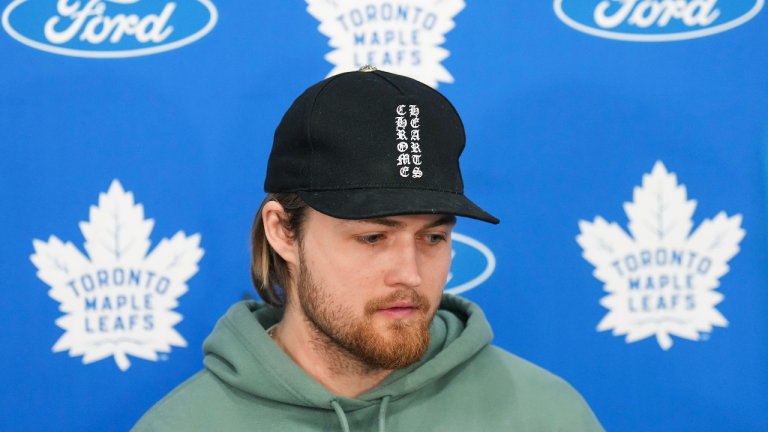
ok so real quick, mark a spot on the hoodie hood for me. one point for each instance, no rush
(461, 384)
(240, 352)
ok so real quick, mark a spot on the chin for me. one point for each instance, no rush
(397, 327)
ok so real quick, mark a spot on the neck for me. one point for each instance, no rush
(321, 358)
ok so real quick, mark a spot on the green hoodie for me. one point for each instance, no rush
(461, 384)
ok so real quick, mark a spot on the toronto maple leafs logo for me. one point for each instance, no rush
(121, 300)
(661, 281)
(402, 37)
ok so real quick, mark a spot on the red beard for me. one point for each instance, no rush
(403, 343)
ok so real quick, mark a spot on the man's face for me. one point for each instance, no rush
(373, 286)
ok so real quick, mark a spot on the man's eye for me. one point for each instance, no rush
(435, 238)
(370, 239)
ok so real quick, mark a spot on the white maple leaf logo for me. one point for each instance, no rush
(403, 38)
(661, 281)
(120, 301)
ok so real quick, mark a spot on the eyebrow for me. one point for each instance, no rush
(444, 220)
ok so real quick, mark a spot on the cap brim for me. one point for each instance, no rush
(381, 202)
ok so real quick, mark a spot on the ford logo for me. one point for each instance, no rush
(655, 20)
(472, 264)
(108, 28)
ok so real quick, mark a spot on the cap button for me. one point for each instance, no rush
(367, 68)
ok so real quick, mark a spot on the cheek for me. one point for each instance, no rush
(345, 275)
(435, 270)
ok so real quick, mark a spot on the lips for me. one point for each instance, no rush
(399, 309)
(402, 304)
(398, 305)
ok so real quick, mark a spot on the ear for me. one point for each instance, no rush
(276, 235)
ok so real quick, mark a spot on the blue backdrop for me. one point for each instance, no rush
(562, 124)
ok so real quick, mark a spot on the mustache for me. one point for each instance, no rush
(419, 302)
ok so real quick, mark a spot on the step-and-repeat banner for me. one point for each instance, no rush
(622, 143)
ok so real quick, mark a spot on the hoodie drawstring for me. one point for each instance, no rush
(383, 412)
(341, 415)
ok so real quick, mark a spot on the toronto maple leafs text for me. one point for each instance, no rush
(403, 36)
(110, 307)
(662, 278)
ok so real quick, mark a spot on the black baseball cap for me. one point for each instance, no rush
(370, 144)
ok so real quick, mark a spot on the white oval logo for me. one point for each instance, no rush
(655, 20)
(108, 28)
(472, 264)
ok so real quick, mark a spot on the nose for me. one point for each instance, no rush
(404, 268)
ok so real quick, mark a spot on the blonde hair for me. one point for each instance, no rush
(269, 271)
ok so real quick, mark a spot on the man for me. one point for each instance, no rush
(351, 252)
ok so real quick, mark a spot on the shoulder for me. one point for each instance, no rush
(510, 368)
(193, 401)
(497, 377)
